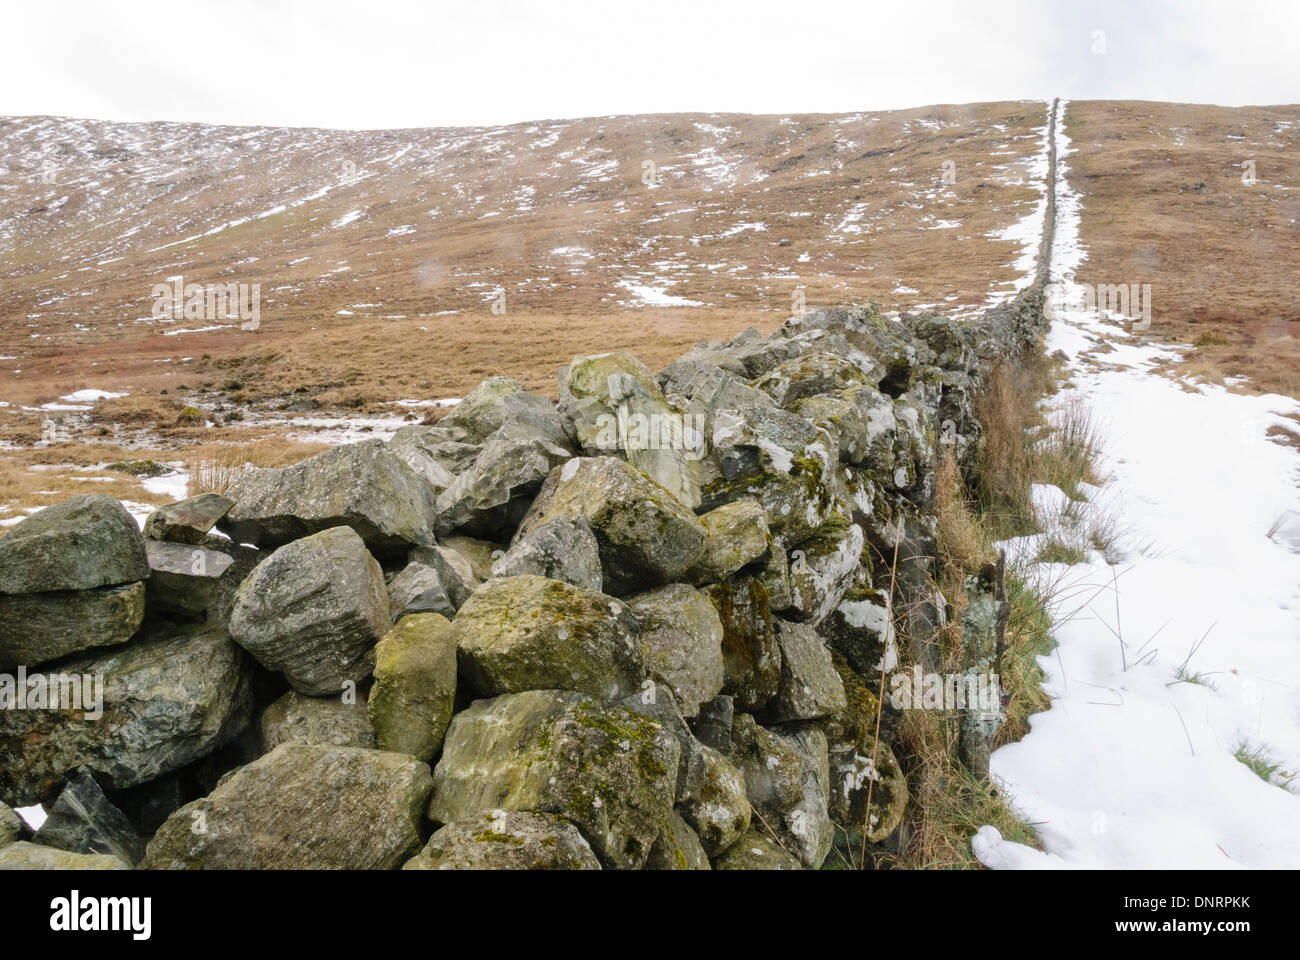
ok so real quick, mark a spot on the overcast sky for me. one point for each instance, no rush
(384, 63)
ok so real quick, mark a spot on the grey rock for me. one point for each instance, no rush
(183, 577)
(755, 851)
(31, 856)
(320, 721)
(737, 536)
(751, 658)
(681, 637)
(646, 537)
(187, 521)
(720, 813)
(313, 611)
(531, 633)
(12, 828)
(38, 627)
(822, 568)
(86, 542)
(83, 820)
(169, 698)
(560, 549)
(418, 588)
(606, 769)
(302, 807)
(415, 685)
(498, 401)
(810, 687)
(712, 725)
(361, 485)
(506, 840)
(678, 848)
(494, 492)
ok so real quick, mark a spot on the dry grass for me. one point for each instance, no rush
(1164, 203)
(219, 467)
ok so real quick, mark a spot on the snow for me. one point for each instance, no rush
(89, 396)
(1184, 652)
(657, 296)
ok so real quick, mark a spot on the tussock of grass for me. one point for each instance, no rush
(219, 467)
(1263, 766)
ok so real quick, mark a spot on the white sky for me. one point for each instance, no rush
(385, 63)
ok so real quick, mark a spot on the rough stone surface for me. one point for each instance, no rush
(83, 820)
(681, 637)
(810, 687)
(678, 848)
(531, 633)
(302, 807)
(608, 770)
(313, 611)
(38, 627)
(187, 521)
(360, 485)
(750, 655)
(721, 812)
(755, 851)
(86, 542)
(786, 780)
(506, 840)
(319, 721)
(737, 536)
(12, 828)
(184, 578)
(560, 549)
(170, 697)
(415, 685)
(418, 588)
(30, 856)
(646, 536)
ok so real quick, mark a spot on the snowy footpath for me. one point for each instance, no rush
(1181, 660)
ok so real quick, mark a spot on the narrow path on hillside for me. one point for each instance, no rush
(1175, 683)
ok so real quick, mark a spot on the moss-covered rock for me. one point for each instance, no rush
(30, 856)
(751, 658)
(720, 812)
(321, 721)
(506, 840)
(737, 536)
(678, 848)
(531, 633)
(608, 770)
(756, 851)
(415, 685)
(681, 637)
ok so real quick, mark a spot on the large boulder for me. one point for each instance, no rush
(615, 405)
(86, 542)
(822, 568)
(187, 521)
(810, 687)
(531, 633)
(506, 840)
(321, 721)
(751, 657)
(498, 401)
(12, 828)
(434, 452)
(646, 536)
(314, 611)
(561, 549)
(418, 588)
(83, 820)
(756, 851)
(609, 771)
(169, 698)
(720, 813)
(494, 492)
(31, 856)
(681, 637)
(737, 536)
(678, 848)
(415, 685)
(787, 779)
(184, 578)
(37, 627)
(302, 807)
(364, 486)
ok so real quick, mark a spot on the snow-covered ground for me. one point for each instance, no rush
(1186, 652)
